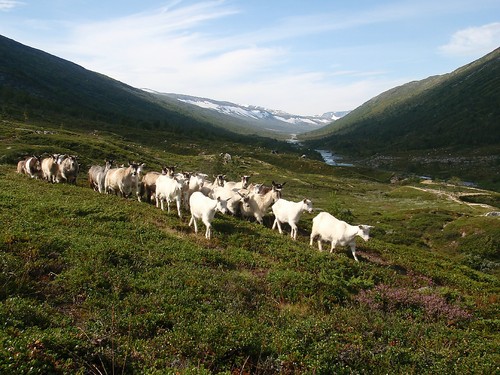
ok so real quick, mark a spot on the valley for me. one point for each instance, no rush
(100, 284)
(107, 284)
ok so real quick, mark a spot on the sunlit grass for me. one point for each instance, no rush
(95, 283)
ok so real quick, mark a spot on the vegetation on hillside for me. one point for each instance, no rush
(37, 85)
(98, 284)
(446, 125)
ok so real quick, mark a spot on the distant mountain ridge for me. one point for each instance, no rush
(445, 126)
(455, 110)
(258, 117)
(36, 83)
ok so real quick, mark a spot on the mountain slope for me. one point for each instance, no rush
(37, 84)
(459, 110)
(255, 118)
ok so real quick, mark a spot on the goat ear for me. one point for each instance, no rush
(283, 184)
(228, 199)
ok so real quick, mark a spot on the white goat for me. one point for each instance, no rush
(124, 180)
(168, 189)
(256, 205)
(204, 208)
(68, 169)
(226, 157)
(232, 197)
(50, 168)
(328, 228)
(97, 175)
(209, 186)
(289, 212)
(242, 184)
(195, 183)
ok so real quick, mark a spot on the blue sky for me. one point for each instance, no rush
(303, 57)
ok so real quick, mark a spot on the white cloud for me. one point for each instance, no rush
(304, 93)
(473, 41)
(165, 51)
(170, 50)
(6, 5)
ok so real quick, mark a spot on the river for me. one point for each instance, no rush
(332, 159)
(328, 157)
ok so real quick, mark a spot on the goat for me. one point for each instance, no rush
(289, 212)
(33, 167)
(226, 157)
(124, 180)
(148, 183)
(195, 183)
(167, 189)
(242, 184)
(328, 228)
(233, 197)
(204, 208)
(256, 205)
(21, 167)
(68, 169)
(208, 186)
(97, 175)
(50, 168)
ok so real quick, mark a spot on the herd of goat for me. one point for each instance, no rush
(200, 196)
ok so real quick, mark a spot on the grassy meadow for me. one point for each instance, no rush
(97, 284)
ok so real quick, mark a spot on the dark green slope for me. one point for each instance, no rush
(37, 85)
(455, 111)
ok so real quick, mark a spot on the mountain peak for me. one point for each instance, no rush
(270, 119)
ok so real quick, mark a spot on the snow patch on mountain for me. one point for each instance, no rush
(257, 117)
(259, 113)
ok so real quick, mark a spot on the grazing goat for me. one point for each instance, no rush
(289, 212)
(204, 208)
(124, 180)
(168, 189)
(33, 167)
(328, 228)
(97, 175)
(68, 169)
(256, 204)
(50, 168)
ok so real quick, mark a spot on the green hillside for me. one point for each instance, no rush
(456, 114)
(37, 85)
(99, 284)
